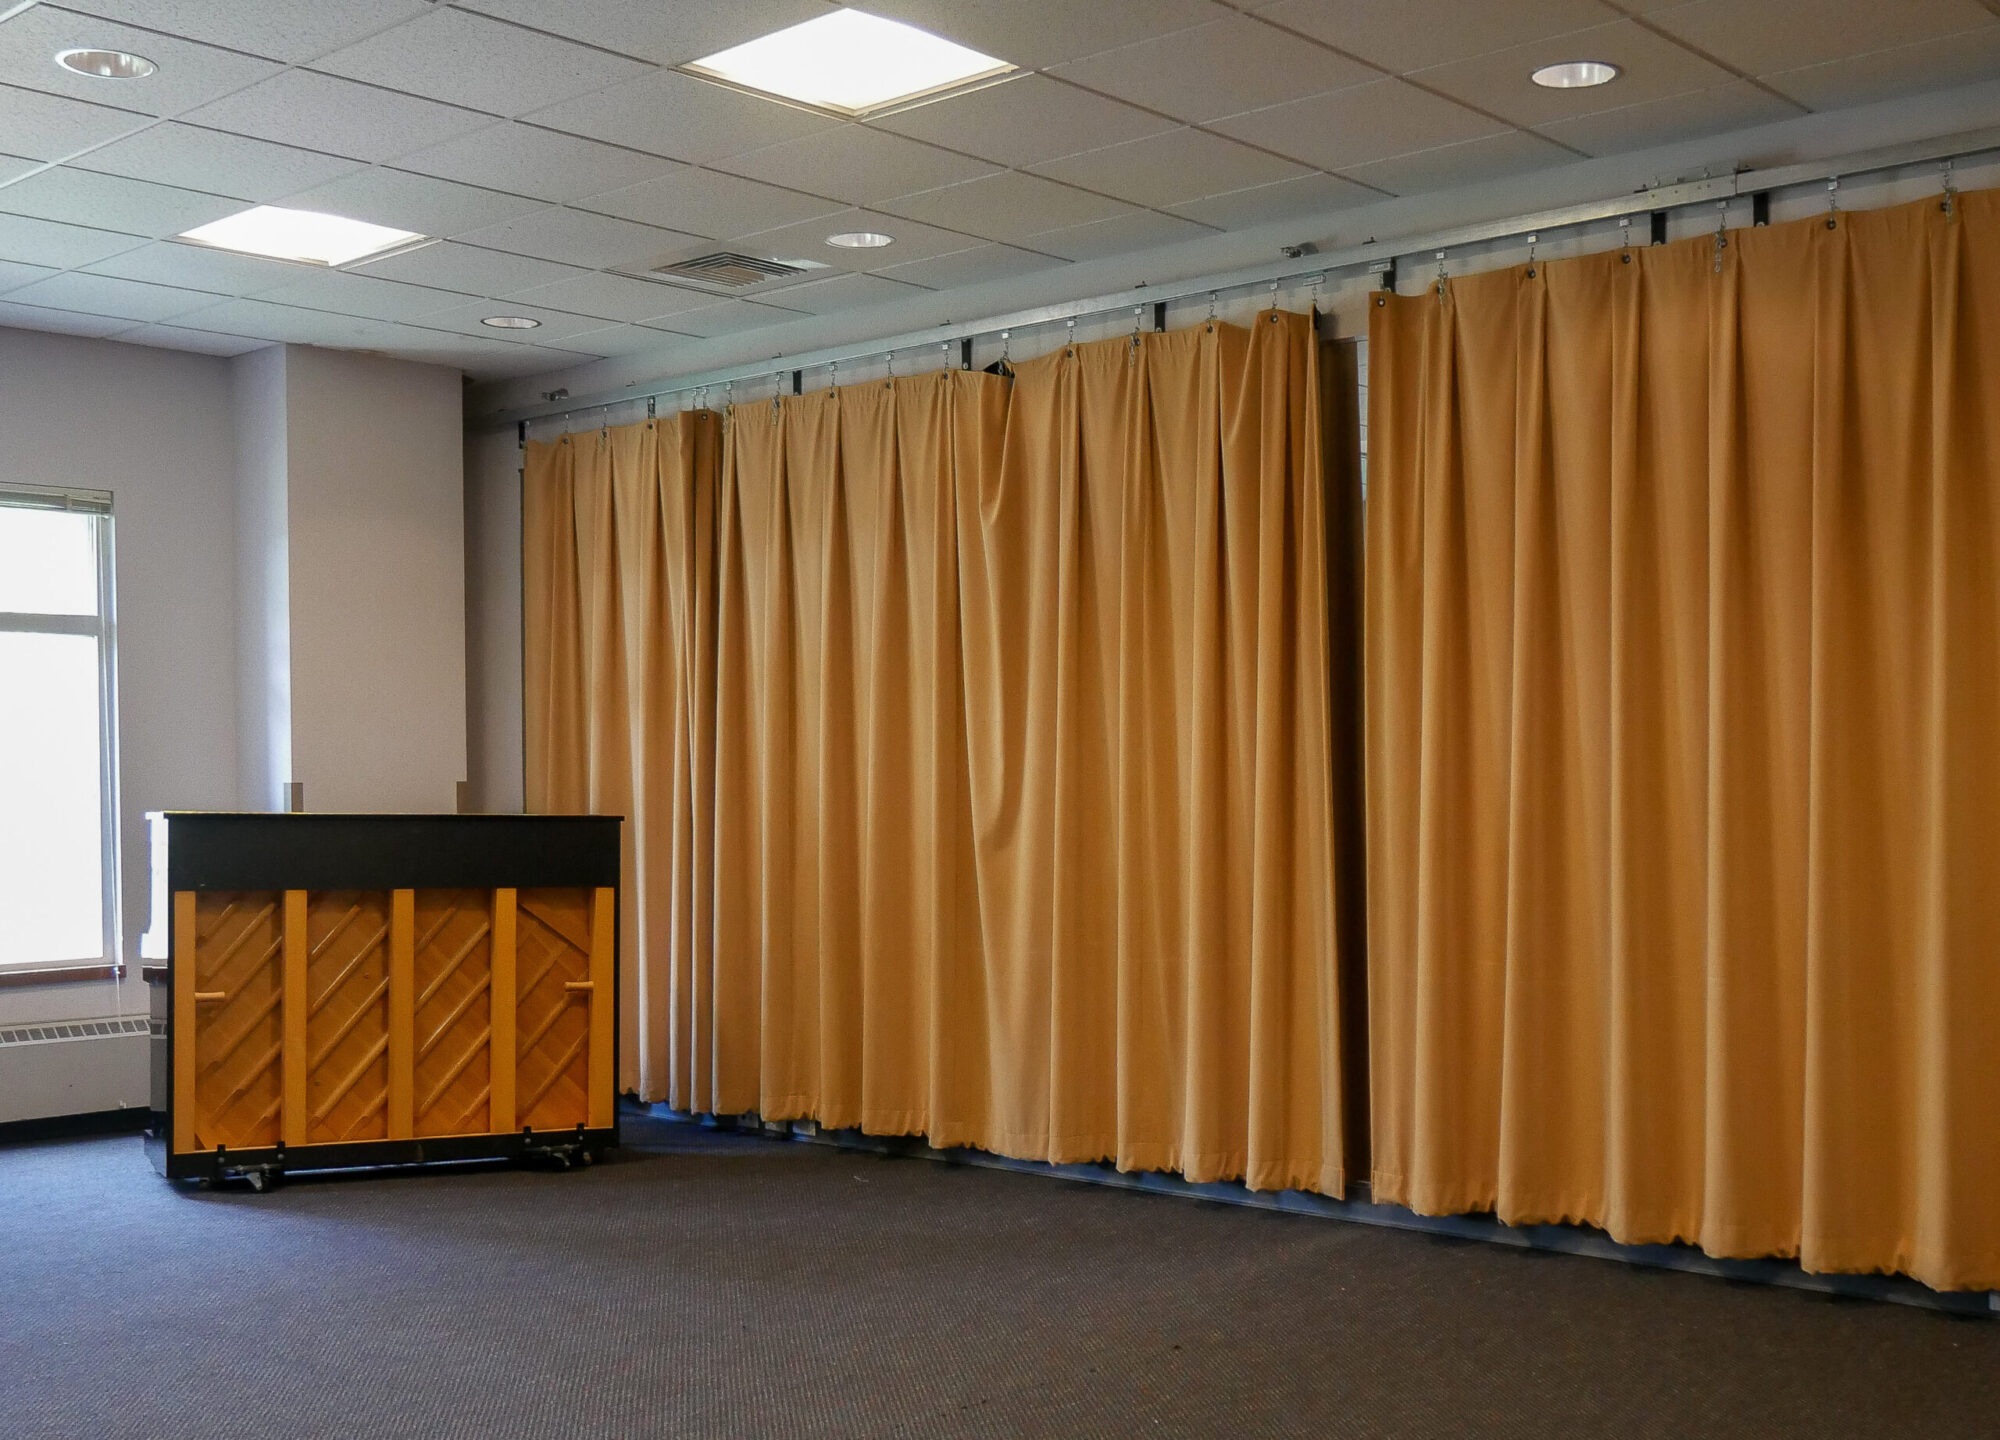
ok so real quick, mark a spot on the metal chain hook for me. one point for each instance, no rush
(1721, 232)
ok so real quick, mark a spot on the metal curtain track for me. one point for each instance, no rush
(1298, 270)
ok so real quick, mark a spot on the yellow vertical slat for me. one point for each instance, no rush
(500, 999)
(185, 1014)
(402, 1014)
(603, 1085)
(297, 1055)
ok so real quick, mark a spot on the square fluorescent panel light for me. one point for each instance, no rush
(849, 62)
(304, 236)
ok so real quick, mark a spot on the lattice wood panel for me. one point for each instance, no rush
(553, 1009)
(347, 1022)
(238, 993)
(453, 974)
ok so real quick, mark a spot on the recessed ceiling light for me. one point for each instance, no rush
(106, 64)
(849, 62)
(1575, 74)
(861, 240)
(510, 322)
(302, 235)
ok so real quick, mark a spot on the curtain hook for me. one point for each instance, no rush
(1441, 277)
(1625, 238)
(1532, 239)
(1211, 311)
(892, 370)
(944, 356)
(1721, 232)
(652, 407)
(1833, 203)
(729, 396)
(1950, 195)
(1318, 280)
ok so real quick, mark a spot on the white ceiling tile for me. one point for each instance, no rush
(112, 202)
(527, 160)
(971, 267)
(486, 64)
(180, 337)
(688, 118)
(469, 269)
(1888, 74)
(1734, 106)
(266, 320)
(341, 117)
(107, 295)
(215, 161)
(50, 127)
(622, 340)
(1038, 33)
(708, 202)
(1218, 69)
(731, 317)
(1492, 157)
(422, 203)
(260, 320)
(913, 240)
(190, 74)
(1024, 121)
(484, 361)
(1412, 34)
(1651, 67)
(59, 322)
(48, 242)
(350, 293)
(199, 267)
(1308, 195)
(555, 326)
(1140, 230)
(667, 34)
(1171, 169)
(14, 274)
(846, 292)
(1760, 37)
(579, 237)
(292, 30)
(1358, 125)
(611, 297)
(855, 164)
(1008, 206)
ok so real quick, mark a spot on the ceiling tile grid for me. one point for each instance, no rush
(544, 145)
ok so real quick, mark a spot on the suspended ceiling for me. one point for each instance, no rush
(549, 143)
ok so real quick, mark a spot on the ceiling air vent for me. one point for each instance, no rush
(728, 272)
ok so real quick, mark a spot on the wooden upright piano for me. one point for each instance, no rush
(370, 990)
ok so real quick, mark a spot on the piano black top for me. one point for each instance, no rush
(212, 850)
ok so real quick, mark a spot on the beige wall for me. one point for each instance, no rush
(291, 546)
(154, 428)
(376, 527)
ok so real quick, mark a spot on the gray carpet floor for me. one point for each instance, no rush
(705, 1284)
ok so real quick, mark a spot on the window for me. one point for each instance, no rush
(58, 773)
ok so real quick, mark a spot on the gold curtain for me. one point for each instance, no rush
(1683, 677)
(619, 675)
(1008, 790)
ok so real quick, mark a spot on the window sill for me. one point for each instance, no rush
(59, 975)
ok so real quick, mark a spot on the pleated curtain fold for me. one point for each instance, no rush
(978, 742)
(1682, 679)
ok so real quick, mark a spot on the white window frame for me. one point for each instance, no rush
(103, 626)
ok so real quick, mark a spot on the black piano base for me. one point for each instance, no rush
(560, 1148)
